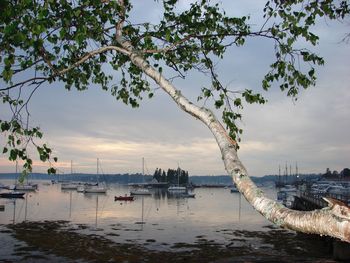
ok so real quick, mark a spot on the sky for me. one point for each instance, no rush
(312, 131)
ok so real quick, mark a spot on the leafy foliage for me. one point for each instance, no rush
(63, 41)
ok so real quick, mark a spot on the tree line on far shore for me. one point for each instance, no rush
(172, 176)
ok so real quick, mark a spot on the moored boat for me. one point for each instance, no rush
(177, 189)
(140, 191)
(12, 194)
(69, 186)
(26, 187)
(98, 189)
(124, 198)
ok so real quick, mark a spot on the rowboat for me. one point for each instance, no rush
(124, 198)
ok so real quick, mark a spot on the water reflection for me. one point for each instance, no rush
(162, 215)
(240, 207)
(14, 211)
(214, 223)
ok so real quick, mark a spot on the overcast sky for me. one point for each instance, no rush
(314, 131)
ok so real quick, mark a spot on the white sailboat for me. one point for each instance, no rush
(97, 189)
(69, 186)
(66, 186)
(24, 186)
(14, 193)
(177, 188)
(141, 191)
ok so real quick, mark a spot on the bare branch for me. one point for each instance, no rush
(44, 55)
(166, 49)
(33, 80)
(63, 71)
(90, 55)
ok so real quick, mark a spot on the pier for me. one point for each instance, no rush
(307, 201)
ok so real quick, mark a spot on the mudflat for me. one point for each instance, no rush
(62, 241)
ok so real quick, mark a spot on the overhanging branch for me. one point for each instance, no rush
(322, 222)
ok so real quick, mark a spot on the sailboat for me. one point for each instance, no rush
(141, 191)
(25, 186)
(178, 188)
(69, 186)
(13, 193)
(66, 185)
(124, 198)
(97, 189)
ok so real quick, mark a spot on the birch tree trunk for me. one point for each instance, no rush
(323, 222)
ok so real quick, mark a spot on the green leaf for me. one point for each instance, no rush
(219, 103)
(13, 154)
(51, 170)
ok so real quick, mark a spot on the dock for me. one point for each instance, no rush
(307, 201)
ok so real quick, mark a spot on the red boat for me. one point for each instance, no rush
(124, 198)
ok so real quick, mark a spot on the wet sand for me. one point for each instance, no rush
(61, 241)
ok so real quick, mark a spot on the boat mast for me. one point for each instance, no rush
(143, 170)
(279, 175)
(286, 174)
(178, 174)
(290, 171)
(97, 166)
(97, 170)
(16, 175)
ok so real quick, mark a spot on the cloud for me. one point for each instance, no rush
(125, 156)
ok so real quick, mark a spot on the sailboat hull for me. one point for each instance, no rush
(26, 187)
(177, 189)
(97, 190)
(69, 186)
(123, 198)
(12, 195)
(140, 192)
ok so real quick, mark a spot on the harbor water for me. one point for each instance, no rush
(51, 225)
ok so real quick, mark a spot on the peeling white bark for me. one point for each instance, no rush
(322, 222)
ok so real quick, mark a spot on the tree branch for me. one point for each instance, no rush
(322, 222)
(120, 24)
(24, 82)
(166, 49)
(63, 71)
(90, 55)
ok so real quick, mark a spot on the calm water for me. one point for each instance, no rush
(166, 218)
(214, 215)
